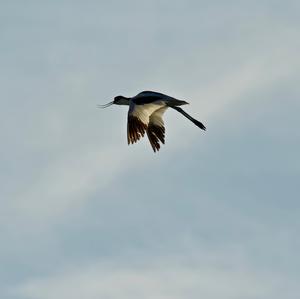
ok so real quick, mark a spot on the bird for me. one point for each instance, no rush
(145, 116)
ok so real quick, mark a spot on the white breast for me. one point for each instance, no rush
(143, 112)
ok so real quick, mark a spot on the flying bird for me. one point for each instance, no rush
(145, 115)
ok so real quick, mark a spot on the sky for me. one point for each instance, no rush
(214, 214)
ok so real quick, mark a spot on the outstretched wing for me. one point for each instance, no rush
(156, 129)
(138, 119)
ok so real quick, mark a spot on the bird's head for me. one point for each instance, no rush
(118, 100)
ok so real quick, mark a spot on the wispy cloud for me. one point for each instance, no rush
(75, 194)
(165, 277)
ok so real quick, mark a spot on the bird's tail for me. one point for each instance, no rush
(174, 102)
(195, 121)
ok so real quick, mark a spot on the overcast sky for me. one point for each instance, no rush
(213, 215)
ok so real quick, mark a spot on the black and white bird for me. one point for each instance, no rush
(145, 115)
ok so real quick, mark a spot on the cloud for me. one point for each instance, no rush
(165, 277)
(79, 170)
(74, 194)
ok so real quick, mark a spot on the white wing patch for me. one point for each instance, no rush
(156, 129)
(156, 117)
(138, 119)
(143, 112)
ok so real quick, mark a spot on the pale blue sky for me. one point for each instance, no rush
(212, 215)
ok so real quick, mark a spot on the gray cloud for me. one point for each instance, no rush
(79, 207)
(166, 278)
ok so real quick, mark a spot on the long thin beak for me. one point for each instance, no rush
(105, 105)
